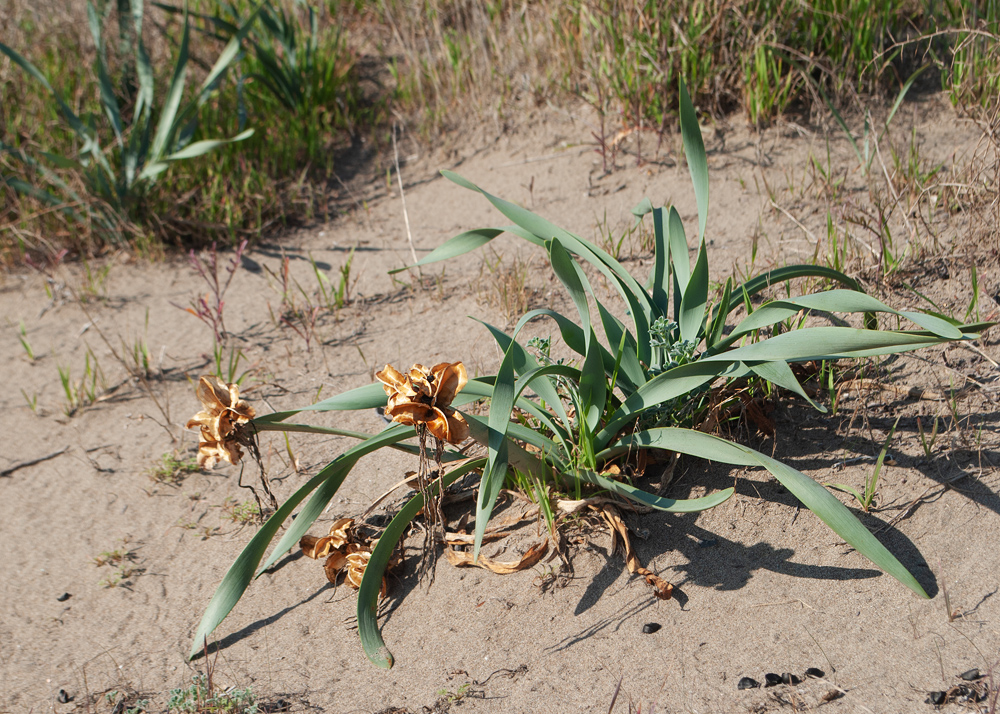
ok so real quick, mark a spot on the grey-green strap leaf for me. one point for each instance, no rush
(816, 498)
(371, 581)
(458, 245)
(694, 151)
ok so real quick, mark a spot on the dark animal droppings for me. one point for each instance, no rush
(815, 672)
(748, 683)
(771, 679)
(63, 697)
(936, 698)
(970, 675)
(651, 627)
(789, 678)
(64, 597)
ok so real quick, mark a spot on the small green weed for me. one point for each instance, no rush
(123, 560)
(241, 512)
(201, 698)
(32, 401)
(171, 469)
(463, 691)
(85, 391)
(23, 337)
(867, 499)
(927, 440)
(334, 298)
(227, 364)
(126, 703)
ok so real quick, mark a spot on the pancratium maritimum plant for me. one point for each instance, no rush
(646, 387)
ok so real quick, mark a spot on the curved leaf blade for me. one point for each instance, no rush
(454, 247)
(812, 495)
(694, 150)
(371, 582)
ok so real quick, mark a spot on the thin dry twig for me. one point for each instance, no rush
(402, 196)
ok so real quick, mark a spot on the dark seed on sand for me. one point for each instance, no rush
(789, 678)
(936, 698)
(815, 672)
(771, 679)
(63, 697)
(651, 627)
(970, 675)
(748, 683)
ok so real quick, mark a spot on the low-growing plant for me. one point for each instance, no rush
(84, 391)
(866, 498)
(651, 386)
(201, 697)
(172, 469)
(241, 512)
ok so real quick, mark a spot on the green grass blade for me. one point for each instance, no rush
(632, 374)
(791, 272)
(845, 301)
(143, 68)
(719, 316)
(371, 582)
(74, 121)
(242, 571)
(836, 515)
(525, 363)
(366, 397)
(694, 150)
(453, 247)
(639, 301)
(199, 148)
(226, 57)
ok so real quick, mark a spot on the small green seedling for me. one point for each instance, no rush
(201, 697)
(23, 337)
(126, 703)
(122, 559)
(171, 469)
(867, 499)
(242, 513)
(927, 442)
(32, 401)
(227, 366)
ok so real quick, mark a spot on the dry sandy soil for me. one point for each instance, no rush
(762, 585)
